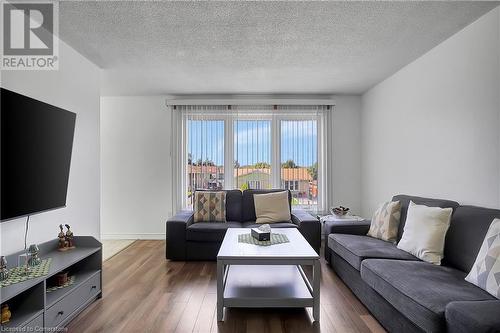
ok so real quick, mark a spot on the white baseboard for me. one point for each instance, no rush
(134, 236)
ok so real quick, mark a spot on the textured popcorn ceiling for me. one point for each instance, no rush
(256, 47)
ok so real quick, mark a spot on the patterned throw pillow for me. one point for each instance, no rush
(486, 270)
(209, 206)
(385, 222)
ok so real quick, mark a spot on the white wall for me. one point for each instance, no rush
(75, 87)
(347, 153)
(135, 167)
(432, 129)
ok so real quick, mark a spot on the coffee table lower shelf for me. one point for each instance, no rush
(261, 286)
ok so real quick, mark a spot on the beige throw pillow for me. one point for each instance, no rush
(485, 272)
(424, 232)
(385, 222)
(209, 206)
(272, 207)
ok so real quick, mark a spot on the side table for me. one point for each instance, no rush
(327, 219)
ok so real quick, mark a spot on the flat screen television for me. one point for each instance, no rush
(36, 145)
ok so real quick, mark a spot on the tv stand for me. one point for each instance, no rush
(34, 308)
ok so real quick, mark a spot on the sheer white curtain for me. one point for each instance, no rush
(246, 146)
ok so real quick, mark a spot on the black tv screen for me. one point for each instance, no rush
(36, 144)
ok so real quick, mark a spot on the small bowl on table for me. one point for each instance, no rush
(339, 211)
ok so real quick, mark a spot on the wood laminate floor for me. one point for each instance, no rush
(144, 292)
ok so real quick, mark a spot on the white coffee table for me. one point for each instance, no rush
(253, 276)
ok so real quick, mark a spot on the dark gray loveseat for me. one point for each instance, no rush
(201, 241)
(409, 295)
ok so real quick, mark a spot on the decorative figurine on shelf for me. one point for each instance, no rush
(34, 259)
(69, 238)
(4, 272)
(66, 240)
(62, 239)
(6, 314)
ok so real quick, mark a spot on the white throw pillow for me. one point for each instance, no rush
(272, 207)
(485, 272)
(424, 232)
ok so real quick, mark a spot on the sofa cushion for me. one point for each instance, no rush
(233, 205)
(420, 290)
(274, 225)
(355, 248)
(209, 231)
(405, 202)
(248, 205)
(468, 227)
(476, 316)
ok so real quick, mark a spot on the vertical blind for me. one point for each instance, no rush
(252, 152)
(299, 149)
(252, 147)
(205, 149)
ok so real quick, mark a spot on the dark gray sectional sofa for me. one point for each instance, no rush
(409, 295)
(201, 241)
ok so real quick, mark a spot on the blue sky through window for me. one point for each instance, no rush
(299, 141)
(206, 140)
(253, 141)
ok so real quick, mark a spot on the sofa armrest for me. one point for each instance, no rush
(341, 227)
(473, 316)
(301, 216)
(348, 227)
(176, 235)
(309, 227)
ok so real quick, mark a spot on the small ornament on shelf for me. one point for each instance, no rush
(34, 259)
(62, 239)
(4, 272)
(69, 238)
(23, 263)
(66, 240)
(55, 284)
(61, 278)
(6, 314)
